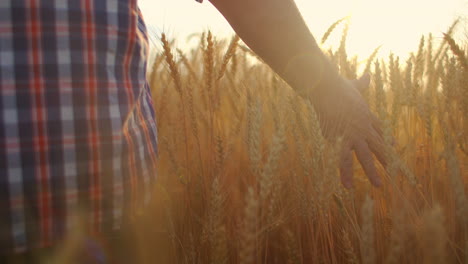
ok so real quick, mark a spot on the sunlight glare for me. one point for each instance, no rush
(396, 25)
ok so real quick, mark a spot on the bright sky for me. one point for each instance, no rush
(397, 24)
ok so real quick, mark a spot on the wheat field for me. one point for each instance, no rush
(245, 175)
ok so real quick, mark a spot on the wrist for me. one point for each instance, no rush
(311, 74)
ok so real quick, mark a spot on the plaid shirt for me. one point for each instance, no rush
(77, 127)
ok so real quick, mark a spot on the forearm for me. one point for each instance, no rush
(275, 30)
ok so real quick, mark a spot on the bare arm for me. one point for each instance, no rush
(275, 30)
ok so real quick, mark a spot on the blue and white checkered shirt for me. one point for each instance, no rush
(77, 126)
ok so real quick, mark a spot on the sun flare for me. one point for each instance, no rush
(396, 25)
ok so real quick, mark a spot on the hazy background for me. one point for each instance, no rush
(396, 25)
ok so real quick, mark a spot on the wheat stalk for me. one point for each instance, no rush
(367, 232)
(380, 98)
(248, 244)
(433, 237)
(349, 250)
(268, 172)
(227, 56)
(457, 51)
(331, 28)
(253, 134)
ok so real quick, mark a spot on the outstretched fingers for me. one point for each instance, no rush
(346, 166)
(378, 147)
(364, 155)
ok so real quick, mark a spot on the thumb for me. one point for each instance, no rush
(362, 84)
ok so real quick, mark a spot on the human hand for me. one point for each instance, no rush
(342, 112)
